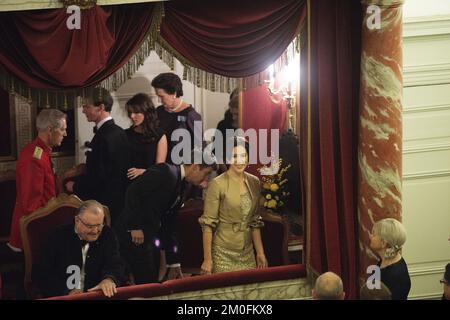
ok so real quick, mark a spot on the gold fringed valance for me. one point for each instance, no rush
(113, 82)
(66, 99)
(218, 83)
(63, 100)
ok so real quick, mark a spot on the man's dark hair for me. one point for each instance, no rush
(207, 159)
(169, 82)
(101, 95)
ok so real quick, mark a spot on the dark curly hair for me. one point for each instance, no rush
(169, 82)
(141, 103)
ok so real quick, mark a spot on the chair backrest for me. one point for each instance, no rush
(190, 239)
(67, 176)
(275, 236)
(38, 226)
(7, 200)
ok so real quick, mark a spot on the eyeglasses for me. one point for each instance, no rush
(90, 226)
(443, 281)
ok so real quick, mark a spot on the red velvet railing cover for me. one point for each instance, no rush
(219, 280)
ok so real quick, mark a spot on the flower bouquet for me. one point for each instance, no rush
(274, 185)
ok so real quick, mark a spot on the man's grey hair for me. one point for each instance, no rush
(329, 286)
(393, 233)
(93, 206)
(50, 118)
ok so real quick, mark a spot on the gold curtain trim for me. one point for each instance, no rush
(66, 99)
(113, 82)
(214, 82)
(83, 4)
(309, 143)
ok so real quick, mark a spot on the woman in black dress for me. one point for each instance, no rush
(148, 145)
(174, 113)
(147, 140)
(387, 238)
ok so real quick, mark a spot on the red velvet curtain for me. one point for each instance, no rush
(39, 49)
(335, 58)
(261, 112)
(232, 38)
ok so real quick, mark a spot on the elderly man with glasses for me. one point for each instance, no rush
(83, 256)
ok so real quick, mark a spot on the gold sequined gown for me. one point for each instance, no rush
(231, 218)
(225, 260)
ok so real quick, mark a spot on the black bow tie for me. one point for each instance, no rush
(95, 129)
(83, 243)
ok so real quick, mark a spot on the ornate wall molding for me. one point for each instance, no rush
(24, 121)
(426, 26)
(427, 148)
(424, 75)
(292, 289)
(63, 164)
(6, 166)
(426, 175)
(429, 108)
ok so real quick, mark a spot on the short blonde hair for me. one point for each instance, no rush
(393, 233)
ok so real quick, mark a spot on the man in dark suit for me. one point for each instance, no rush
(83, 256)
(105, 179)
(150, 205)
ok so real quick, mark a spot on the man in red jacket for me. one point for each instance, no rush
(35, 179)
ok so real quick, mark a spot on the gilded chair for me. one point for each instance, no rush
(190, 238)
(36, 227)
(275, 236)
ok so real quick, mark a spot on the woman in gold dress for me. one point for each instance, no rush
(231, 221)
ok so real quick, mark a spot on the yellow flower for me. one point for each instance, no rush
(274, 187)
(272, 204)
(268, 196)
(265, 204)
(266, 186)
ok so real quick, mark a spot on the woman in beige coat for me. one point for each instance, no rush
(231, 221)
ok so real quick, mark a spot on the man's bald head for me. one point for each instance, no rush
(328, 287)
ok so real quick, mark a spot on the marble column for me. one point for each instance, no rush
(380, 120)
